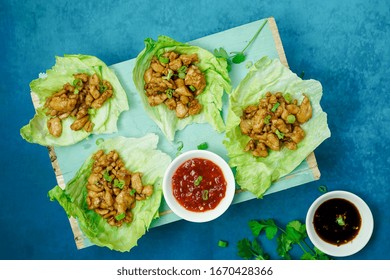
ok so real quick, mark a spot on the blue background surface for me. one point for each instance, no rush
(343, 44)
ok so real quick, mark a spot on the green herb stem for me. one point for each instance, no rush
(255, 36)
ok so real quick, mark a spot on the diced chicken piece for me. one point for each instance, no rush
(189, 58)
(175, 64)
(246, 126)
(157, 67)
(196, 79)
(55, 127)
(79, 123)
(305, 111)
(62, 104)
(194, 107)
(260, 150)
(155, 100)
(181, 110)
(136, 182)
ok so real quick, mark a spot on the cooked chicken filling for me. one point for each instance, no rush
(112, 190)
(275, 122)
(87, 92)
(175, 80)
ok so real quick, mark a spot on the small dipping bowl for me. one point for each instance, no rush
(362, 236)
(198, 216)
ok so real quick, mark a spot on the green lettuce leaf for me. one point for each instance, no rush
(256, 174)
(139, 155)
(217, 80)
(104, 118)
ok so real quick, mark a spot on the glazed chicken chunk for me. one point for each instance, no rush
(174, 79)
(275, 123)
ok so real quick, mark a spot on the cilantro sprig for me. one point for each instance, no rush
(293, 234)
(237, 57)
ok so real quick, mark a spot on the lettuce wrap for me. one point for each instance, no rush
(256, 174)
(104, 118)
(217, 80)
(139, 155)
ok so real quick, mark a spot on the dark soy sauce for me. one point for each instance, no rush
(337, 221)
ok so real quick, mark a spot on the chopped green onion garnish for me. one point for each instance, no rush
(99, 141)
(205, 194)
(340, 220)
(78, 83)
(279, 134)
(288, 97)
(107, 176)
(291, 119)
(248, 64)
(163, 59)
(182, 75)
(222, 243)
(169, 92)
(102, 88)
(76, 91)
(267, 119)
(198, 180)
(181, 145)
(192, 88)
(182, 69)
(120, 216)
(132, 192)
(322, 189)
(203, 146)
(169, 76)
(119, 183)
(276, 105)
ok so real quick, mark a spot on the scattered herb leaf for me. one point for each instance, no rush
(293, 234)
(238, 57)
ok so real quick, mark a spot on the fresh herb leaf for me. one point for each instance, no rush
(132, 192)
(294, 234)
(251, 250)
(238, 57)
(268, 226)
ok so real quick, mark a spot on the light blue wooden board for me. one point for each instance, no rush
(136, 123)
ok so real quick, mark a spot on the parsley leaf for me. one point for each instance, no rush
(268, 226)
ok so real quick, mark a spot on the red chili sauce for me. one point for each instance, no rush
(199, 185)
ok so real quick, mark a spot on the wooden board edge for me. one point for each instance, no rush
(278, 41)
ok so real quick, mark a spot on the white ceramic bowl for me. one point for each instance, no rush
(356, 244)
(208, 215)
